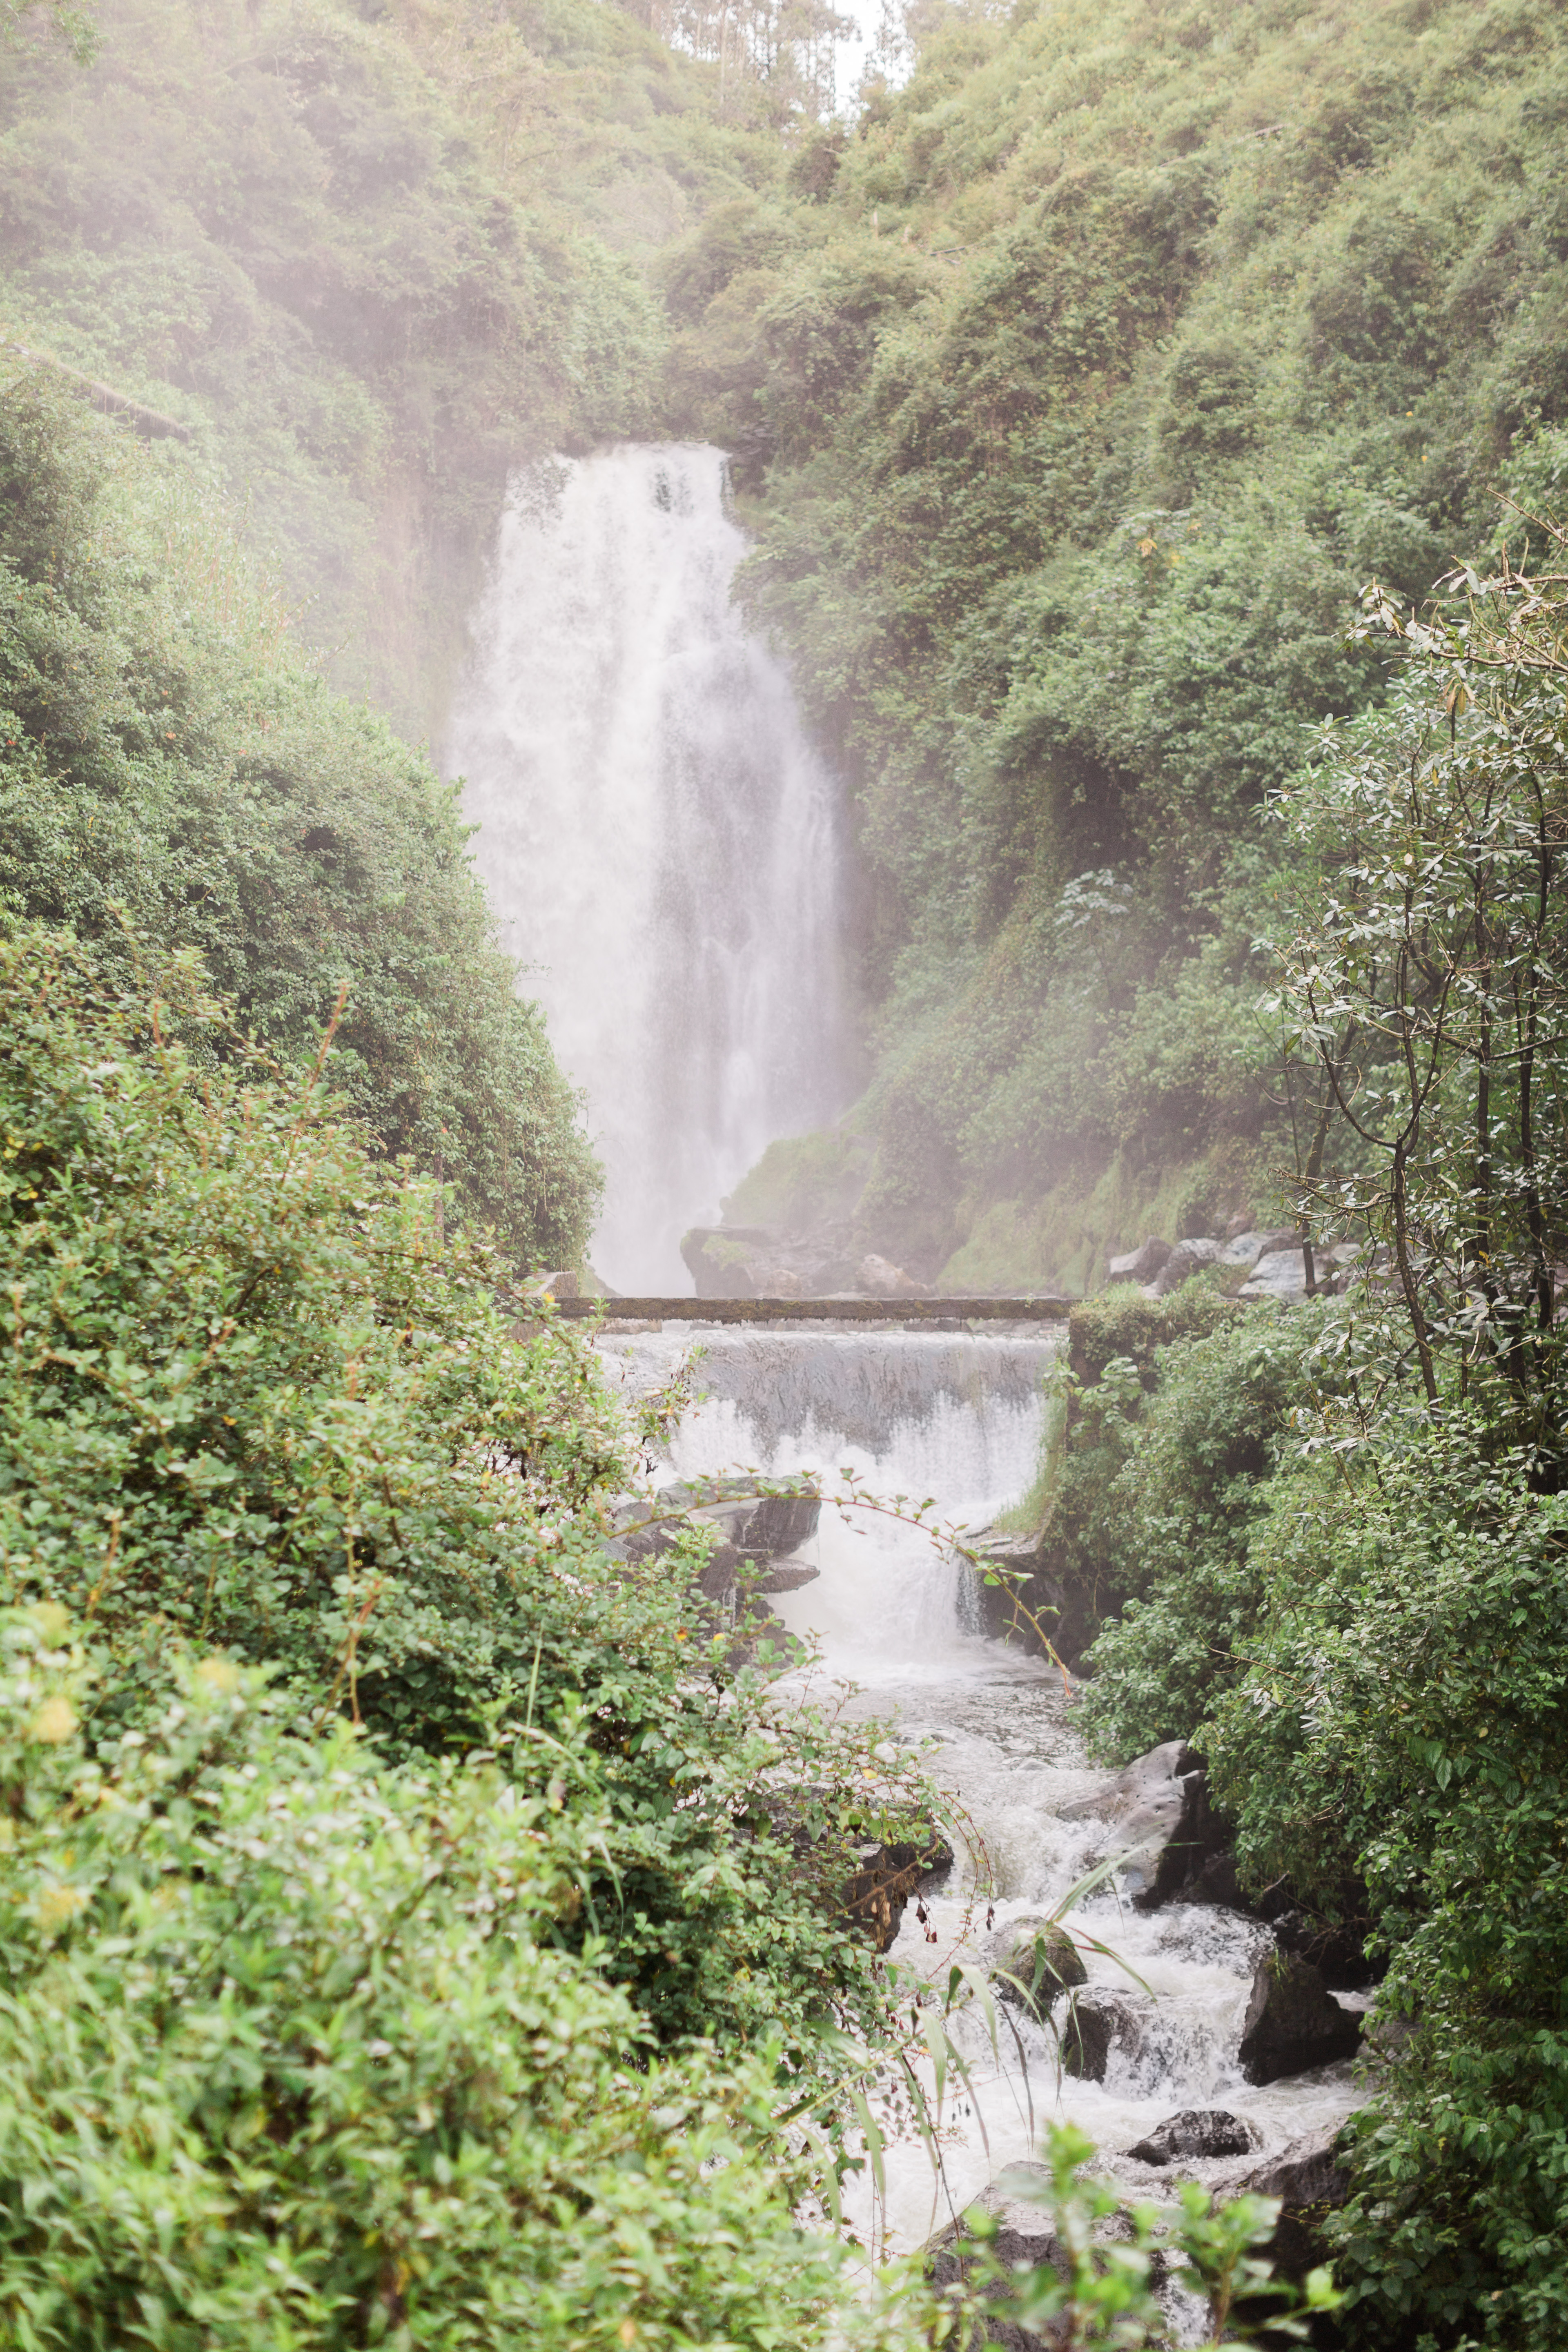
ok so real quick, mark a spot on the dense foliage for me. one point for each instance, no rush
(1081, 389)
(293, 2055)
(256, 1399)
(169, 762)
(370, 259)
(1335, 1538)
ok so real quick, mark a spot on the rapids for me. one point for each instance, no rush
(660, 845)
(959, 1419)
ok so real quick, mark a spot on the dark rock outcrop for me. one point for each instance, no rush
(1096, 2022)
(1196, 2131)
(878, 1889)
(1156, 1807)
(1337, 1949)
(1028, 1599)
(1309, 2181)
(1035, 1965)
(1293, 2022)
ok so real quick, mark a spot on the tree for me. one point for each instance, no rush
(1424, 989)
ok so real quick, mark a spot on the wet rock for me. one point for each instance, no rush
(1096, 2022)
(753, 1526)
(1215, 1880)
(751, 1262)
(1186, 1259)
(886, 1876)
(1293, 2022)
(1336, 1949)
(1022, 2238)
(1141, 1265)
(1035, 1963)
(1158, 1807)
(1028, 1599)
(1197, 2131)
(1309, 2181)
(786, 1576)
(1281, 1272)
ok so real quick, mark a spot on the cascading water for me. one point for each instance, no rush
(657, 837)
(658, 843)
(959, 1418)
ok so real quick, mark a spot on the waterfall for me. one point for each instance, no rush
(656, 836)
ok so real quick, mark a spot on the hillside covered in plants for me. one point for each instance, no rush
(1078, 387)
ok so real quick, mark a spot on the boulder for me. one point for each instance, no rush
(1096, 2022)
(1022, 2238)
(786, 1576)
(1293, 2022)
(717, 1260)
(1281, 1272)
(1197, 2131)
(1245, 1249)
(1186, 1259)
(882, 1279)
(1158, 1808)
(1025, 1577)
(1338, 1951)
(750, 1262)
(1141, 1265)
(1309, 2183)
(1035, 1964)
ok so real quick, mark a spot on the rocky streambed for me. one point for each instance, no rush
(1178, 2002)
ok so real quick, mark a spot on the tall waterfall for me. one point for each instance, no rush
(657, 837)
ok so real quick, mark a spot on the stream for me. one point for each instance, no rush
(958, 1419)
(663, 849)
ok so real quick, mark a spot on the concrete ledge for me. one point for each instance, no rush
(948, 1312)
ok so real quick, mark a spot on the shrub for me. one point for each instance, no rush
(290, 2054)
(256, 1397)
(167, 759)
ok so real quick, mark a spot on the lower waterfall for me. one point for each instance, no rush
(959, 1419)
(657, 838)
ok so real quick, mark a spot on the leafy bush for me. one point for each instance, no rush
(1178, 1518)
(256, 1398)
(291, 2053)
(1403, 1716)
(1065, 556)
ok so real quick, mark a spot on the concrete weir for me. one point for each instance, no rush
(943, 1314)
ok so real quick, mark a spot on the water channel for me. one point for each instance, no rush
(958, 1418)
(663, 848)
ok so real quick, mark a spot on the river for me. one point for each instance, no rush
(664, 851)
(957, 1419)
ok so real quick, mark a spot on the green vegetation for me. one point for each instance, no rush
(293, 2055)
(370, 259)
(386, 1826)
(169, 762)
(1330, 1544)
(1079, 391)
